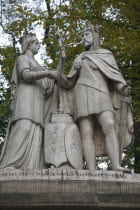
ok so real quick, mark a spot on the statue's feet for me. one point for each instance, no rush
(52, 167)
(127, 170)
(66, 166)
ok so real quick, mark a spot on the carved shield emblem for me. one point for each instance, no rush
(62, 144)
(54, 144)
(74, 146)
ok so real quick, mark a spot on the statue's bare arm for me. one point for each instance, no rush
(67, 82)
(28, 75)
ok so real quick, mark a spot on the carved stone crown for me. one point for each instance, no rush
(27, 36)
(92, 28)
(27, 40)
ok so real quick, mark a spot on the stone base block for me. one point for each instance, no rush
(68, 189)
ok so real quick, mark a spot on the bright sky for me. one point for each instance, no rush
(35, 5)
(5, 39)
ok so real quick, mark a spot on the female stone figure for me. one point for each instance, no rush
(30, 82)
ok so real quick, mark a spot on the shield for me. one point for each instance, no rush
(74, 146)
(54, 144)
(62, 143)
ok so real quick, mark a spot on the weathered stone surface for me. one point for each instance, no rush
(67, 174)
(56, 187)
(23, 143)
(62, 142)
(61, 117)
(102, 102)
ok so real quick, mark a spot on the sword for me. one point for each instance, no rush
(125, 102)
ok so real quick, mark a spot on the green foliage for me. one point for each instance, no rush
(119, 21)
(8, 56)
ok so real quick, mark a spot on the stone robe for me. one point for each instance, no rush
(23, 146)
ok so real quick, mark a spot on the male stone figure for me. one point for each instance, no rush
(96, 79)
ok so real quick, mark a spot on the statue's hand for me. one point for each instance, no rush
(131, 129)
(54, 74)
(78, 65)
(127, 91)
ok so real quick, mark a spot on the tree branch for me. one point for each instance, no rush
(47, 27)
(6, 31)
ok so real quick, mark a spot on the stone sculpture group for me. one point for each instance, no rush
(93, 116)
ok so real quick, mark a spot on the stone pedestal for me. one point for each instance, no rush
(68, 189)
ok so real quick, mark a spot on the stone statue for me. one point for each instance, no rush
(32, 98)
(102, 106)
